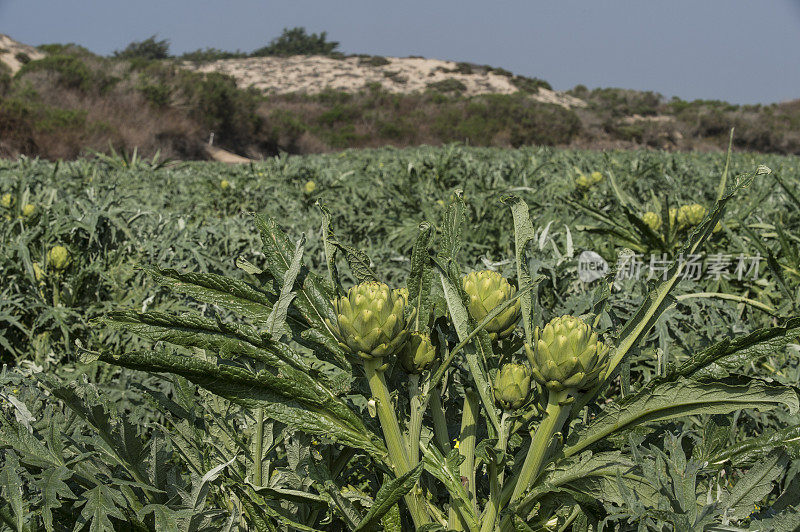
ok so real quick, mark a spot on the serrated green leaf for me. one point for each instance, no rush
(756, 484)
(12, 487)
(678, 399)
(52, 485)
(523, 233)
(277, 318)
(388, 496)
(419, 281)
(99, 505)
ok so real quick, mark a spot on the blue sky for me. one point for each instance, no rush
(743, 51)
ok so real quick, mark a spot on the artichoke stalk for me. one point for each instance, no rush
(566, 357)
(486, 290)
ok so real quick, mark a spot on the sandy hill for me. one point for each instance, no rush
(14, 54)
(313, 74)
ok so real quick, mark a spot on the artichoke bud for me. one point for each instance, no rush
(486, 290)
(512, 385)
(567, 354)
(369, 320)
(6, 201)
(652, 220)
(417, 354)
(58, 258)
(690, 215)
(28, 210)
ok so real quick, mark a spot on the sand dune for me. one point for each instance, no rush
(11, 50)
(313, 74)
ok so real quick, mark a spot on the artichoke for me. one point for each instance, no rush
(486, 290)
(309, 187)
(690, 215)
(224, 184)
(369, 320)
(652, 220)
(6, 201)
(417, 354)
(512, 385)
(567, 355)
(58, 258)
(28, 210)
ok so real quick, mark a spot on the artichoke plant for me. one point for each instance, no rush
(690, 215)
(369, 320)
(486, 290)
(512, 385)
(58, 258)
(566, 355)
(417, 354)
(652, 220)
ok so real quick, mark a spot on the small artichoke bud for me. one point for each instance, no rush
(369, 320)
(567, 355)
(512, 385)
(652, 220)
(596, 177)
(28, 209)
(486, 290)
(309, 187)
(224, 184)
(6, 201)
(690, 215)
(58, 258)
(417, 354)
(583, 182)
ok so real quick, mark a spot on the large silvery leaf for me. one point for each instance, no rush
(419, 281)
(223, 339)
(388, 496)
(678, 399)
(11, 486)
(523, 233)
(313, 298)
(599, 476)
(277, 318)
(232, 294)
(730, 354)
(752, 449)
(100, 504)
(291, 396)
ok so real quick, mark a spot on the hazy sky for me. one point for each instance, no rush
(743, 51)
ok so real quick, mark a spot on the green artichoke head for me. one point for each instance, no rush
(6, 201)
(369, 320)
(652, 220)
(58, 258)
(486, 290)
(690, 215)
(512, 385)
(417, 354)
(567, 354)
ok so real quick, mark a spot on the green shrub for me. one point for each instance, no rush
(447, 85)
(296, 41)
(530, 85)
(149, 48)
(373, 60)
(158, 94)
(207, 55)
(22, 57)
(72, 72)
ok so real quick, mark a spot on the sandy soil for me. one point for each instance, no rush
(9, 48)
(313, 74)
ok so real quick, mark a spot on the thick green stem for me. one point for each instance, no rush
(258, 453)
(395, 445)
(495, 480)
(554, 418)
(466, 448)
(415, 423)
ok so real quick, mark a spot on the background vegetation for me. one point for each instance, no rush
(73, 102)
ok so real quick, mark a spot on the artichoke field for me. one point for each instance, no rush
(450, 374)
